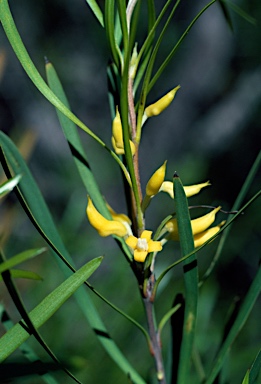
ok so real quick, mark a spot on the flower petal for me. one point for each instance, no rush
(102, 225)
(140, 256)
(146, 235)
(154, 246)
(132, 241)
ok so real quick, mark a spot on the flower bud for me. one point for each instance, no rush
(198, 225)
(204, 236)
(190, 190)
(102, 225)
(156, 180)
(158, 107)
(117, 136)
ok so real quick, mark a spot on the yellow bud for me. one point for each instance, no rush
(102, 225)
(198, 225)
(156, 180)
(118, 216)
(117, 136)
(202, 223)
(158, 107)
(190, 190)
(202, 237)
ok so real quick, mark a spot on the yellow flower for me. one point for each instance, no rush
(117, 136)
(202, 237)
(156, 180)
(143, 245)
(102, 225)
(190, 190)
(158, 107)
(198, 225)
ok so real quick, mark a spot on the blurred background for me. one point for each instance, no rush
(210, 132)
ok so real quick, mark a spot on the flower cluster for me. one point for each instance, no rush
(120, 225)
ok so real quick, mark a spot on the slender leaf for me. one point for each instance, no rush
(26, 350)
(78, 153)
(40, 314)
(29, 67)
(109, 28)
(243, 314)
(42, 216)
(19, 273)
(20, 258)
(255, 369)
(74, 142)
(173, 51)
(238, 202)
(96, 10)
(190, 280)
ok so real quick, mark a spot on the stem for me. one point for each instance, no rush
(156, 352)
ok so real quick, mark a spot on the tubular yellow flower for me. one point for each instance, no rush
(117, 136)
(158, 107)
(190, 190)
(143, 245)
(198, 225)
(202, 237)
(102, 225)
(118, 216)
(156, 180)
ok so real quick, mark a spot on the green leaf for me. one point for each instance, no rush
(110, 28)
(78, 153)
(43, 219)
(29, 67)
(26, 350)
(190, 280)
(9, 185)
(255, 369)
(239, 11)
(20, 258)
(246, 378)
(96, 10)
(237, 204)
(173, 51)
(40, 314)
(74, 142)
(241, 318)
(20, 273)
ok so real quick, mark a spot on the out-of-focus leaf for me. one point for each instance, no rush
(20, 258)
(43, 221)
(20, 273)
(240, 320)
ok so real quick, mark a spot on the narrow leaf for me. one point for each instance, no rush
(74, 142)
(19, 273)
(255, 369)
(20, 258)
(96, 10)
(29, 67)
(43, 219)
(40, 314)
(243, 314)
(190, 280)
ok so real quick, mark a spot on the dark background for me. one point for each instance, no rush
(210, 132)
